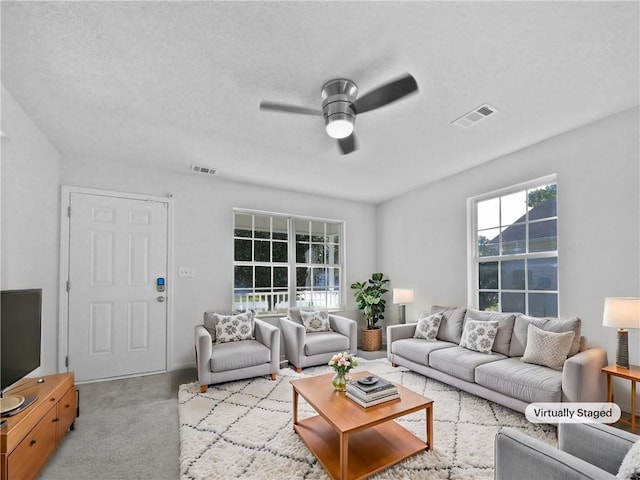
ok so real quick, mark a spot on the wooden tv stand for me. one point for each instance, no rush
(31, 436)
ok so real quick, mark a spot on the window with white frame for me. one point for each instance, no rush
(282, 261)
(514, 249)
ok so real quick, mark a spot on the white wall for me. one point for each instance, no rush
(422, 236)
(30, 202)
(203, 233)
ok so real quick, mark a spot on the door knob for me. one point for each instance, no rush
(161, 298)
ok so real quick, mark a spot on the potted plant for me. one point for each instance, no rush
(369, 299)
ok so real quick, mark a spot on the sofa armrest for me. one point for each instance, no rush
(601, 445)
(518, 455)
(347, 327)
(203, 344)
(582, 377)
(269, 336)
(293, 335)
(396, 332)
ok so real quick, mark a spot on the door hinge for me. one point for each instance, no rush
(66, 361)
(68, 285)
(69, 211)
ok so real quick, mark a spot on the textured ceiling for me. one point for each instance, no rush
(169, 84)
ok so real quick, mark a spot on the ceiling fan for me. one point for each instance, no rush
(340, 105)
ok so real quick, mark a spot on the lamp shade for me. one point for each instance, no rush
(403, 295)
(621, 312)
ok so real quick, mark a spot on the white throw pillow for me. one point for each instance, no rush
(315, 321)
(479, 336)
(233, 328)
(630, 467)
(549, 349)
(427, 327)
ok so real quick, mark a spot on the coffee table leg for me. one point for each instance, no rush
(295, 407)
(344, 455)
(429, 422)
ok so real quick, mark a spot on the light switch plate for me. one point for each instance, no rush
(186, 272)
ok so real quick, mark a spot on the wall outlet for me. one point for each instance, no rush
(186, 272)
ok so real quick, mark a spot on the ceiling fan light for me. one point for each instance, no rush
(339, 126)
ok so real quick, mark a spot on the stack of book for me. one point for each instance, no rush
(373, 392)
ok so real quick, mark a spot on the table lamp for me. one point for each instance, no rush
(624, 313)
(402, 296)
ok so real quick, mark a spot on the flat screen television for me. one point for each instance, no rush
(20, 335)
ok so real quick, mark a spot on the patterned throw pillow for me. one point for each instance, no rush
(427, 327)
(315, 321)
(549, 349)
(233, 328)
(479, 336)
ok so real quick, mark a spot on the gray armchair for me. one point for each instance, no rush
(304, 349)
(586, 451)
(235, 360)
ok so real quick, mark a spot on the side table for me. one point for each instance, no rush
(633, 374)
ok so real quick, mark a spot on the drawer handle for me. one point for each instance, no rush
(67, 406)
(56, 420)
(52, 399)
(33, 442)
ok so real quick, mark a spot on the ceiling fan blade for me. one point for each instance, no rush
(386, 94)
(281, 107)
(347, 144)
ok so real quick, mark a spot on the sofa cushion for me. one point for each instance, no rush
(505, 327)
(325, 342)
(418, 350)
(524, 381)
(451, 324)
(478, 336)
(315, 321)
(234, 355)
(460, 362)
(427, 327)
(548, 349)
(558, 325)
(233, 328)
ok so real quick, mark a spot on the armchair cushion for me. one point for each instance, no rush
(240, 354)
(209, 323)
(315, 321)
(324, 342)
(630, 468)
(294, 315)
(233, 328)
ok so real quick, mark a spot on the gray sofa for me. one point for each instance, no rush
(500, 376)
(586, 451)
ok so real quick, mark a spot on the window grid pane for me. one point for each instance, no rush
(262, 265)
(516, 251)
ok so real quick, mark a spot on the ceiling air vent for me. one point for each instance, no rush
(474, 116)
(199, 169)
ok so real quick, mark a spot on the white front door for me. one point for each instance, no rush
(117, 321)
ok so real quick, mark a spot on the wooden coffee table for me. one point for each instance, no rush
(353, 442)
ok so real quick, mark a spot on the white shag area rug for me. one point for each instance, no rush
(244, 430)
